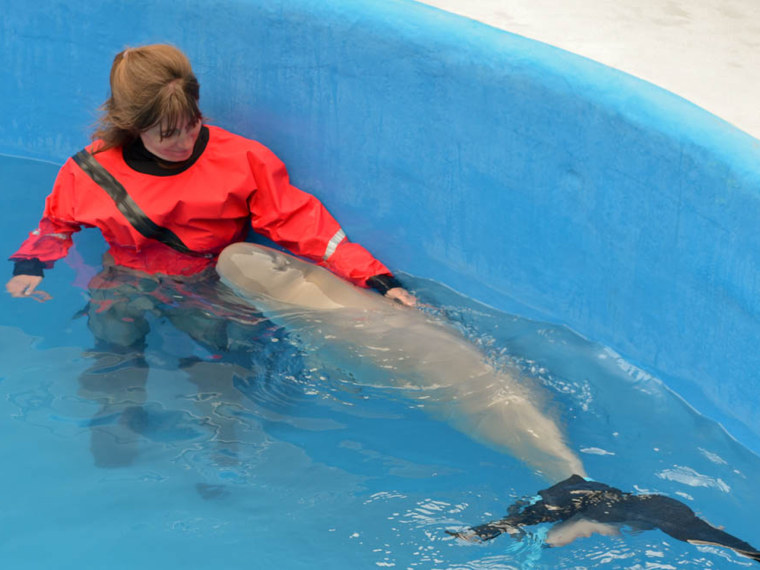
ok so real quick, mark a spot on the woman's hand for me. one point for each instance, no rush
(26, 286)
(401, 295)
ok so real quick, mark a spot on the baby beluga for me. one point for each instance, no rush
(426, 357)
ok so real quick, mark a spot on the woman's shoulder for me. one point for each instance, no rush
(93, 149)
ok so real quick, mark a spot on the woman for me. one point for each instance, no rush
(202, 182)
(205, 186)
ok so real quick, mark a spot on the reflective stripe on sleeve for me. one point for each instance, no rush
(55, 235)
(332, 245)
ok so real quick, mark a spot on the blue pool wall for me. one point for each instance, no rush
(523, 176)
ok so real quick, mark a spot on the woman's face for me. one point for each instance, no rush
(175, 147)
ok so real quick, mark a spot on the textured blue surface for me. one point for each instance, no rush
(523, 176)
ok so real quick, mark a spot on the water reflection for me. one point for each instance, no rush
(233, 346)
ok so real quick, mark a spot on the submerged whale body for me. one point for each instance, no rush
(425, 357)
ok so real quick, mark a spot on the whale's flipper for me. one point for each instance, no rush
(576, 500)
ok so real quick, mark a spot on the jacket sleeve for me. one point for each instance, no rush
(51, 240)
(299, 222)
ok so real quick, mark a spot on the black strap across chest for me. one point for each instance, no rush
(127, 206)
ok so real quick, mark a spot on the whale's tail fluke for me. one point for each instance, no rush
(581, 507)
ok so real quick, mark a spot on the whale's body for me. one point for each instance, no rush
(427, 358)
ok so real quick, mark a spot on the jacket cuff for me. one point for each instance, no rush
(31, 266)
(383, 283)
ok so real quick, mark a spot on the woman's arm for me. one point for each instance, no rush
(49, 242)
(299, 222)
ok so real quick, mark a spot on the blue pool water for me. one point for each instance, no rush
(305, 466)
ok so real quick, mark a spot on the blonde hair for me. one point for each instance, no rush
(150, 85)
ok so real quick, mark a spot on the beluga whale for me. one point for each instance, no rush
(427, 358)
(435, 364)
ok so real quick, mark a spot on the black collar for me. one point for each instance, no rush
(142, 160)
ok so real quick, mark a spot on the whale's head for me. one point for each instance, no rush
(263, 273)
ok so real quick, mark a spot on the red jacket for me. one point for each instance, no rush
(234, 182)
